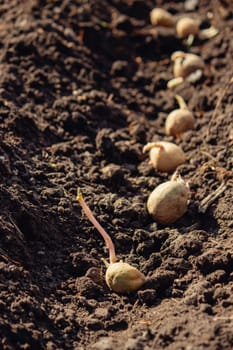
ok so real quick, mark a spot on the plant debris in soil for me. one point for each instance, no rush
(83, 87)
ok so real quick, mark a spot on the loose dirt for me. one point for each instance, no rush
(83, 87)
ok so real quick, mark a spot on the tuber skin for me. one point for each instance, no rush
(189, 28)
(120, 276)
(185, 67)
(168, 201)
(179, 120)
(161, 17)
(186, 63)
(165, 156)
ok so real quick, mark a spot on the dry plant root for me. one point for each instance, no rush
(207, 201)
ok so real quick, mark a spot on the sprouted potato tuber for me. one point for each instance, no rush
(161, 17)
(179, 120)
(168, 201)
(184, 68)
(120, 276)
(189, 28)
(186, 63)
(165, 156)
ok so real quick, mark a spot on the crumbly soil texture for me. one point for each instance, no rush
(83, 87)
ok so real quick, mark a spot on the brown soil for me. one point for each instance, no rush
(83, 87)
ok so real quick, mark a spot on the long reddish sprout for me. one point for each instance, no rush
(104, 234)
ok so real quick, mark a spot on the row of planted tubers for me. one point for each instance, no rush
(187, 66)
(185, 26)
(168, 201)
(166, 156)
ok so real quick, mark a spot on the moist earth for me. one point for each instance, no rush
(83, 87)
